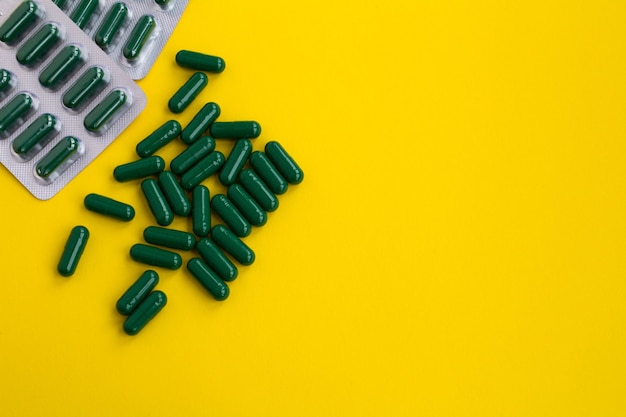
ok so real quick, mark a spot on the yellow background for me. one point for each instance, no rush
(456, 248)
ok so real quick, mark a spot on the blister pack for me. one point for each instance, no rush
(62, 99)
(132, 32)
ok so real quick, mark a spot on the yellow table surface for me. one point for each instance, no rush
(456, 248)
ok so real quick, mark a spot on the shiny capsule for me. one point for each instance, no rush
(235, 130)
(14, 110)
(166, 133)
(228, 241)
(250, 209)
(22, 19)
(109, 207)
(139, 169)
(145, 312)
(285, 164)
(60, 3)
(36, 135)
(216, 259)
(208, 278)
(139, 37)
(83, 12)
(106, 112)
(231, 215)
(137, 292)
(188, 92)
(195, 152)
(159, 206)
(154, 256)
(206, 167)
(200, 62)
(268, 172)
(175, 195)
(200, 123)
(201, 210)
(64, 152)
(111, 25)
(61, 67)
(258, 190)
(162, 2)
(90, 83)
(170, 238)
(6, 82)
(39, 45)
(236, 160)
(74, 248)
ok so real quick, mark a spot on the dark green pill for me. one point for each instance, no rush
(74, 248)
(10, 113)
(258, 190)
(159, 138)
(208, 278)
(145, 312)
(285, 164)
(247, 205)
(235, 130)
(154, 256)
(201, 211)
(109, 207)
(137, 292)
(231, 215)
(200, 123)
(105, 112)
(110, 25)
(83, 12)
(206, 167)
(89, 84)
(20, 20)
(228, 241)
(268, 172)
(188, 92)
(159, 206)
(61, 66)
(195, 152)
(60, 3)
(138, 37)
(170, 238)
(62, 151)
(235, 161)
(139, 169)
(216, 259)
(35, 135)
(162, 2)
(201, 62)
(5, 81)
(175, 195)
(38, 45)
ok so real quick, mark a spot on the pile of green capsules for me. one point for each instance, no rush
(253, 180)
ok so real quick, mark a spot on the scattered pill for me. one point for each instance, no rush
(109, 207)
(170, 238)
(235, 130)
(175, 195)
(166, 133)
(105, 112)
(145, 312)
(206, 167)
(247, 205)
(208, 278)
(216, 259)
(15, 109)
(201, 62)
(154, 256)
(137, 292)
(201, 211)
(39, 45)
(111, 25)
(195, 152)
(139, 37)
(258, 190)
(159, 206)
(74, 248)
(236, 160)
(139, 169)
(200, 123)
(284, 163)
(228, 241)
(231, 215)
(61, 66)
(83, 12)
(22, 18)
(36, 135)
(268, 172)
(90, 83)
(62, 152)
(188, 92)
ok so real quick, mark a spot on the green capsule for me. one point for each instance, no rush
(258, 190)
(174, 194)
(109, 207)
(158, 204)
(36, 135)
(201, 211)
(216, 259)
(154, 256)
(38, 45)
(60, 3)
(200, 123)
(200, 62)
(162, 2)
(88, 85)
(235, 162)
(247, 205)
(206, 167)
(231, 215)
(208, 278)
(6, 82)
(235, 130)
(188, 92)
(228, 241)
(195, 152)
(106, 112)
(138, 37)
(268, 172)
(15, 109)
(159, 138)
(63, 152)
(139, 169)
(137, 292)
(285, 164)
(145, 312)
(61, 66)
(169, 238)
(19, 22)
(110, 25)
(83, 12)
(74, 248)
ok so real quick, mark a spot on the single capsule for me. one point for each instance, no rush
(195, 152)
(74, 248)
(208, 278)
(201, 211)
(137, 292)
(216, 259)
(6, 82)
(90, 83)
(154, 256)
(22, 19)
(231, 215)
(60, 3)
(14, 110)
(188, 92)
(200, 123)
(61, 66)
(235, 161)
(268, 172)
(247, 205)
(62, 154)
(145, 312)
(106, 112)
(235, 130)
(175, 195)
(228, 241)
(200, 62)
(258, 190)
(169, 238)
(83, 12)
(139, 37)
(139, 169)
(159, 206)
(39, 45)
(109, 207)
(36, 135)
(111, 25)
(206, 167)
(285, 164)
(166, 133)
